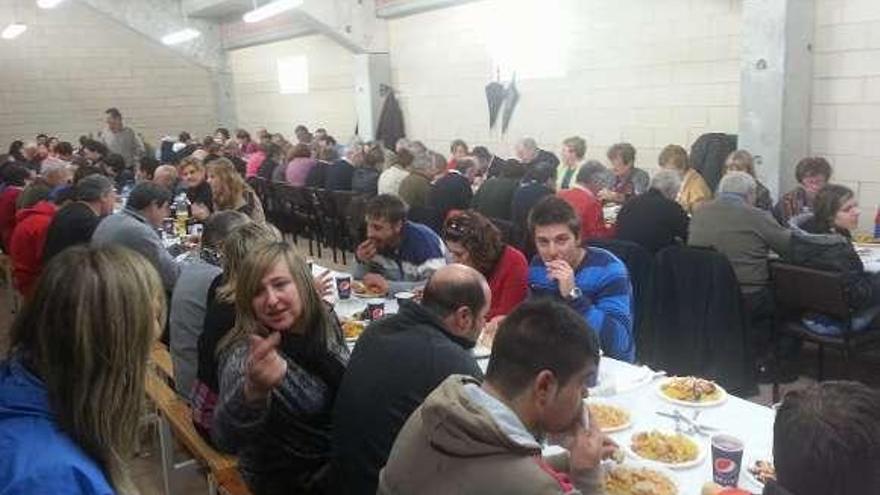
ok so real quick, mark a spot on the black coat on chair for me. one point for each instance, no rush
(698, 323)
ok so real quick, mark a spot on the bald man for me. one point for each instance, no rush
(397, 362)
(166, 176)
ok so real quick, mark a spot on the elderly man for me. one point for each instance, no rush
(166, 176)
(416, 187)
(135, 227)
(655, 220)
(732, 225)
(120, 139)
(338, 175)
(582, 196)
(396, 364)
(528, 153)
(398, 254)
(94, 197)
(573, 151)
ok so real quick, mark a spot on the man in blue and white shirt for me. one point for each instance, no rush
(398, 255)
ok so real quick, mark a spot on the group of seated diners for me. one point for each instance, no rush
(259, 352)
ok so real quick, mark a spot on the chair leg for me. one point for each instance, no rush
(777, 362)
(166, 450)
(821, 362)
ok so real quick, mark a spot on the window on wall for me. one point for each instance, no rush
(530, 41)
(293, 75)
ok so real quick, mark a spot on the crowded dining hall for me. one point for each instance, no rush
(423, 247)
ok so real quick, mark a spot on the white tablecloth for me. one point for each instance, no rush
(751, 423)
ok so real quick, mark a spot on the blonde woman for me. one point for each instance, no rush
(694, 189)
(742, 161)
(281, 367)
(231, 192)
(72, 389)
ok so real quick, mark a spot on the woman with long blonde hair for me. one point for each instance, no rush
(280, 368)
(231, 192)
(72, 388)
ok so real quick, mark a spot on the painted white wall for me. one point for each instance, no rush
(644, 71)
(846, 96)
(73, 63)
(329, 103)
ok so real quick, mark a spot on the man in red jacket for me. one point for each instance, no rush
(26, 245)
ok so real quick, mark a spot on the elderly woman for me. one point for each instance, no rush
(475, 241)
(281, 366)
(694, 189)
(299, 166)
(654, 219)
(742, 161)
(822, 240)
(230, 192)
(629, 181)
(812, 174)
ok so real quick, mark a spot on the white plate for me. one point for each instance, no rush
(620, 379)
(605, 403)
(749, 461)
(712, 403)
(629, 463)
(701, 452)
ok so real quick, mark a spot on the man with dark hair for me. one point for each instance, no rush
(453, 190)
(146, 168)
(94, 151)
(539, 182)
(494, 197)
(94, 197)
(489, 162)
(398, 255)
(826, 440)
(135, 227)
(120, 139)
(487, 438)
(590, 280)
(396, 364)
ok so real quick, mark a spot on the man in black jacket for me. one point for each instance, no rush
(338, 175)
(453, 190)
(74, 224)
(654, 220)
(397, 362)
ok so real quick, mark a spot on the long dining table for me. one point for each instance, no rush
(635, 389)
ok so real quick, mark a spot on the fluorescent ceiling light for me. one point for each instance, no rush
(12, 31)
(181, 36)
(271, 9)
(48, 4)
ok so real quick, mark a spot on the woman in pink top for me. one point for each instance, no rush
(254, 160)
(301, 163)
(246, 146)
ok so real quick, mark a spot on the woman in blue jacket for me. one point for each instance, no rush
(72, 388)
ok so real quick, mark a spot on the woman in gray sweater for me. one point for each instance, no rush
(280, 367)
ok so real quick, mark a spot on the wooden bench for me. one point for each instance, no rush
(175, 421)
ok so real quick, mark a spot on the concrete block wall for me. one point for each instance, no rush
(846, 96)
(330, 102)
(645, 71)
(74, 62)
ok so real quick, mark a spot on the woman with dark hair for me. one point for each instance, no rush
(245, 145)
(281, 366)
(473, 240)
(822, 240)
(15, 153)
(812, 174)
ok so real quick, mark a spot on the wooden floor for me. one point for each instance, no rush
(146, 470)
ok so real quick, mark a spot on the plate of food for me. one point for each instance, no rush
(638, 479)
(760, 470)
(608, 417)
(360, 289)
(691, 391)
(667, 448)
(352, 329)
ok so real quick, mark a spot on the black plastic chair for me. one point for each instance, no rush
(799, 290)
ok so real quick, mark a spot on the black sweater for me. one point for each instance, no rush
(397, 362)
